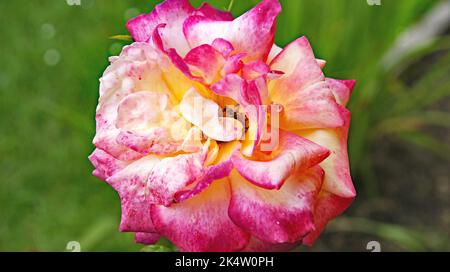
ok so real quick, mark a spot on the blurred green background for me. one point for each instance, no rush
(52, 55)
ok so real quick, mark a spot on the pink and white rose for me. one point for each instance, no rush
(216, 138)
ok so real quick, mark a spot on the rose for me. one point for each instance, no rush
(267, 175)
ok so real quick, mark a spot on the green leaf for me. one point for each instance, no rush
(122, 38)
(405, 237)
(428, 142)
(156, 248)
(163, 245)
(413, 122)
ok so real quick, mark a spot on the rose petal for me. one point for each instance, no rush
(221, 168)
(201, 223)
(255, 69)
(274, 51)
(131, 184)
(149, 125)
(152, 180)
(233, 64)
(210, 174)
(283, 216)
(251, 95)
(173, 13)
(255, 95)
(277, 50)
(105, 164)
(328, 207)
(257, 118)
(307, 99)
(135, 217)
(115, 84)
(231, 86)
(204, 113)
(321, 63)
(252, 92)
(193, 141)
(141, 111)
(223, 46)
(146, 238)
(337, 170)
(173, 174)
(212, 13)
(137, 67)
(293, 154)
(253, 32)
(206, 62)
(350, 83)
(157, 141)
(342, 90)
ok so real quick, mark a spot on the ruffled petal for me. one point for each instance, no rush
(210, 174)
(204, 113)
(328, 207)
(141, 111)
(231, 86)
(146, 238)
(233, 64)
(223, 46)
(274, 51)
(135, 216)
(173, 174)
(221, 168)
(153, 180)
(212, 13)
(131, 184)
(193, 141)
(157, 141)
(293, 154)
(173, 13)
(137, 68)
(245, 92)
(342, 90)
(251, 96)
(252, 33)
(201, 223)
(148, 125)
(205, 61)
(254, 70)
(306, 97)
(105, 164)
(337, 170)
(283, 216)
(257, 119)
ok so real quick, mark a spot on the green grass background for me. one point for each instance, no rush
(47, 194)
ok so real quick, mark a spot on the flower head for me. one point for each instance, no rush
(216, 138)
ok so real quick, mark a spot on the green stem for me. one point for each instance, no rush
(230, 6)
